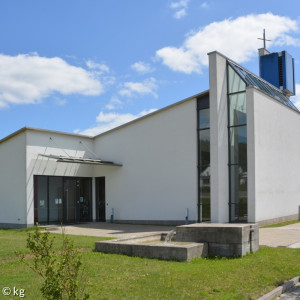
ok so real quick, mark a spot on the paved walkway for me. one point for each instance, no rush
(110, 230)
(286, 236)
(292, 294)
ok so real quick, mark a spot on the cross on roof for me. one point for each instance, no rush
(264, 38)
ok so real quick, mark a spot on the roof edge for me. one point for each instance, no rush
(271, 97)
(219, 53)
(153, 113)
(24, 129)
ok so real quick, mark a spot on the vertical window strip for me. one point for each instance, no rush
(203, 163)
(237, 147)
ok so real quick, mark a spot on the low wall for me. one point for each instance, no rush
(223, 239)
(153, 247)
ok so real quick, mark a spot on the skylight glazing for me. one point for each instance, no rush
(252, 80)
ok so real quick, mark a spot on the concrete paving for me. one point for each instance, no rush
(285, 236)
(292, 294)
(110, 230)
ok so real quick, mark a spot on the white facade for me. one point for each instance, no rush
(158, 178)
(276, 162)
(13, 181)
(155, 177)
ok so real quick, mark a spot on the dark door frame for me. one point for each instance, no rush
(100, 199)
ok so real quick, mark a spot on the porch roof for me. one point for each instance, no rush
(81, 160)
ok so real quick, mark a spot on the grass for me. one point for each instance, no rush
(281, 224)
(121, 277)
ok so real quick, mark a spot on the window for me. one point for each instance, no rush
(237, 141)
(203, 159)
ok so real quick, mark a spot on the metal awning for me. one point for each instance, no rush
(79, 160)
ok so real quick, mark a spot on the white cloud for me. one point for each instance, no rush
(204, 5)
(296, 99)
(108, 121)
(179, 4)
(60, 102)
(30, 78)
(141, 67)
(180, 7)
(131, 89)
(96, 66)
(178, 59)
(180, 13)
(235, 38)
(114, 103)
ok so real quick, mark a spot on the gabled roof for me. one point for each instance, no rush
(251, 79)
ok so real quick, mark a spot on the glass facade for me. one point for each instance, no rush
(203, 159)
(62, 199)
(55, 199)
(237, 141)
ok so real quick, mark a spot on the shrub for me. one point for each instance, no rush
(61, 270)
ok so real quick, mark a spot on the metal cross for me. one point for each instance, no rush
(264, 39)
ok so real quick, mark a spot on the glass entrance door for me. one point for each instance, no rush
(85, 200)
(60, 199)
(70, 199)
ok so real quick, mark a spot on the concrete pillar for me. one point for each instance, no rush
(219, 138)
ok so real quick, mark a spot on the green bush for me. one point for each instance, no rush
(61, 270)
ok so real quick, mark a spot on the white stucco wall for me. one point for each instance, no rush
(158, 179)
(276, 157)
(38, 142)
(13, 181)
(219, 138)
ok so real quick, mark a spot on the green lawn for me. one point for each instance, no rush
(121, 277)
(281, 224)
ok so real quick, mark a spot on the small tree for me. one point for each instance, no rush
(61, 270)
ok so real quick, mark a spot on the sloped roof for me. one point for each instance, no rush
(251, 79)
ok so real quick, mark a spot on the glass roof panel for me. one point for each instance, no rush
(253, 80)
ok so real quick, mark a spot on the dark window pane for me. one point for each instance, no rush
(238, 146)
(205, 198)
(237, 109)
(235, 83)
(85, 199)
(42, 201)
(203, 102)
(238, 194)
(204, 136)
(70, 188)
(204, 118)
(55, 199)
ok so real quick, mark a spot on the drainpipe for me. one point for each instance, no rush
(112, 216)
(187, 217)
(250, 238)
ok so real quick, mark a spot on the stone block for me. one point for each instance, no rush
(153, 247)
(222, 239)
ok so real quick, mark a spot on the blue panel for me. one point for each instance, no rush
(288, 73)
(269, 69)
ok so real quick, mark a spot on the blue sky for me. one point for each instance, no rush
(87, 66)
